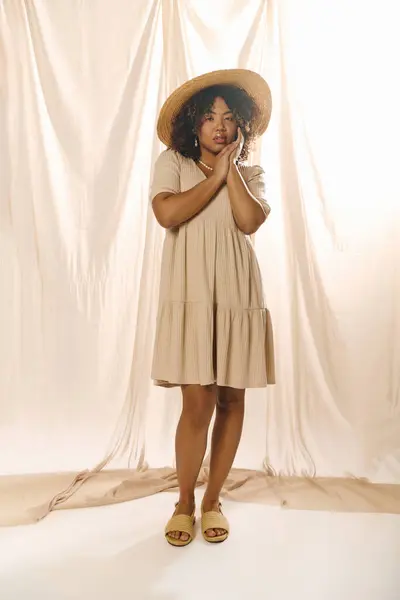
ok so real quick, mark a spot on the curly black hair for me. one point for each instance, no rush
(188, 120)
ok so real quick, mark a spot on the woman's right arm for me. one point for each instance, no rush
(171, 210)
(172, 207)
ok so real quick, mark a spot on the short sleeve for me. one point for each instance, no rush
(166, 177)
(255, 179)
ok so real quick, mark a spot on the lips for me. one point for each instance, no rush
(220, 139)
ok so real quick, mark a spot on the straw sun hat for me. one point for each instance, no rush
(251, 83)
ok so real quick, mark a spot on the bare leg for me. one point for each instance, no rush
(225, 441)
(191, 443)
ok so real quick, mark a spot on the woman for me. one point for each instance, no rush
(212, 327)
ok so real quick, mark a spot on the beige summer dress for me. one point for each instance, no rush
(212, 323)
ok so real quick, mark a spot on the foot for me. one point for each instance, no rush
(182, 508)
(214, 506)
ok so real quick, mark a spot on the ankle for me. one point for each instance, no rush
(186, 499)
(210, 500)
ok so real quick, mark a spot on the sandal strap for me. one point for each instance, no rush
(182, 523)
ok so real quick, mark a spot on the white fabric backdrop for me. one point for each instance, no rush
(81, 86)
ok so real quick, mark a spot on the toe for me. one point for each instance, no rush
(210, 533)
(178, 535)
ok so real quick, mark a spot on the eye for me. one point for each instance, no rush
(209, 117)
(229, 118)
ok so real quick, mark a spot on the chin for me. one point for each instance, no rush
(217, 148)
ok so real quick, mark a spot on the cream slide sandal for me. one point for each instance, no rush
(182, 523)
(214, 520)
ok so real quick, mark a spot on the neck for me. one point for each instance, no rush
(208, 157)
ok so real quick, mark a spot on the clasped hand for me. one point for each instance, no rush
(227, 158)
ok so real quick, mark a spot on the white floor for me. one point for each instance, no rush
(118, 552)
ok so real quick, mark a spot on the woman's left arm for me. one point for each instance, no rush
(248, 212)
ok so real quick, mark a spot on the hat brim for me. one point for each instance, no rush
(250, 82)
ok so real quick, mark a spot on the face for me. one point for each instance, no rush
(218, 128)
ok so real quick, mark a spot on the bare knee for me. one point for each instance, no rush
(230, 399)
(198, 405)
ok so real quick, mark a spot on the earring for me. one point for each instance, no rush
(196, 142)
